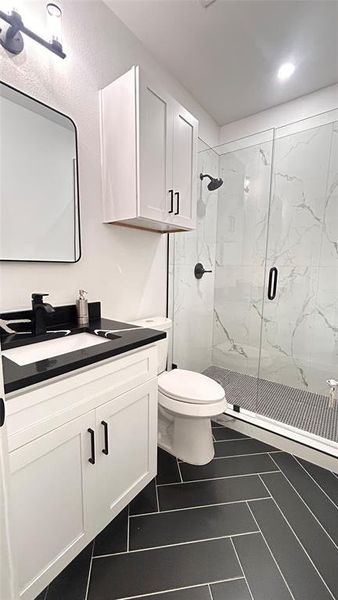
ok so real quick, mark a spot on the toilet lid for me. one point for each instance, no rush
(188, 386)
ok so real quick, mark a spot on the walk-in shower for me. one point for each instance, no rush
(264, 323)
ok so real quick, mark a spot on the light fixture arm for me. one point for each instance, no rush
(13, 40)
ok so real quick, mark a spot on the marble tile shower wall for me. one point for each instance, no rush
(299, 345)
(193, 299)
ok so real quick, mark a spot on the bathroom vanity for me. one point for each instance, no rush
(82, 443)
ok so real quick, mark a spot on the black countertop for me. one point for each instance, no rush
(128, 337)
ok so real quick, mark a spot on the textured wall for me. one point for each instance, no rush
(124, 268)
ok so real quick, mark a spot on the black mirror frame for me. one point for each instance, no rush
(77, 208)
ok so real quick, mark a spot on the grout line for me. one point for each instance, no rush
(303, 548)
(241, 439)
(309, 509)
(240, 564)
(268, 452)
(221, 537)
(171, 510)
(89, 571)
(179, 470)
(216, 478)
(157, 498)
(210, 592)
(277, 565)
(190, 587)
(315, 481)
(128, 527)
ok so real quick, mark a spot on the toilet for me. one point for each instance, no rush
(187, 402)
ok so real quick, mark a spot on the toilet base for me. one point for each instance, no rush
(186, 438)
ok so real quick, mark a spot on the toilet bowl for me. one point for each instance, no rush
(187, 402)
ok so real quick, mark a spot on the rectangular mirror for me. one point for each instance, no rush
(39, 200)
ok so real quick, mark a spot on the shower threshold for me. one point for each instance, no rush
(301, 415)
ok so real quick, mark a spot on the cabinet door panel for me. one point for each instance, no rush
(51, 494)
(184, 167)
(131, 423)
(155, 151)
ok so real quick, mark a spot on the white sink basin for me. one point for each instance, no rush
(24, 355)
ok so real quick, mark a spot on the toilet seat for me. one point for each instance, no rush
(190, 387)
(190, 394)
(187, 409)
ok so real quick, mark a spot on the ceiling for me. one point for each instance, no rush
(227, 54)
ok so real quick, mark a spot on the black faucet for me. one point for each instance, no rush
(39, 310)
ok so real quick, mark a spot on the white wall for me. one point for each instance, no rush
(124, 268)
(301, 108)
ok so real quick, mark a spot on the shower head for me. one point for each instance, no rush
(214, 183)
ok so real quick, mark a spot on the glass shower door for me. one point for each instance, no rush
(242, 222)
(299, 340)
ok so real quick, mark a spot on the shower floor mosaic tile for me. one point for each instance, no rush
(254, 524)
(298, 408)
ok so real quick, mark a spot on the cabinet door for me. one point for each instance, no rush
(185, 135)
(126, 448)
(155, 151)
(52, 486)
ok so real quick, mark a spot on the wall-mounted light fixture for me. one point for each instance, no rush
(13, 39)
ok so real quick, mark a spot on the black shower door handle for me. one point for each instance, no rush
(272, 283)
(177, 194)
(2, 412)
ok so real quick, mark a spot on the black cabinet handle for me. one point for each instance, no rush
(272, 283)
(105, 450)
(92, 446)
(177, 194)
(171, 192)
(2, 412)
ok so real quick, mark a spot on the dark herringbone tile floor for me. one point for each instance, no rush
(254, 524)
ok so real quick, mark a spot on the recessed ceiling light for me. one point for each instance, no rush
(285, 71)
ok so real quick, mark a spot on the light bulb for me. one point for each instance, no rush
(285, 71)
(54, 16)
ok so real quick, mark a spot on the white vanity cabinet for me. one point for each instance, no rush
(53, 492)
(149, 156)
(74, 469)
(125, 458)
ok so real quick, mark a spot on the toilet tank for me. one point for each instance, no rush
(161, 324)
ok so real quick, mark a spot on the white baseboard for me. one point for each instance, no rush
(261, 430)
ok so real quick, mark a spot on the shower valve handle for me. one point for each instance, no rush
(199, 271)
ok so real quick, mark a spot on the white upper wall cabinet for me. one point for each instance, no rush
(149, 156)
